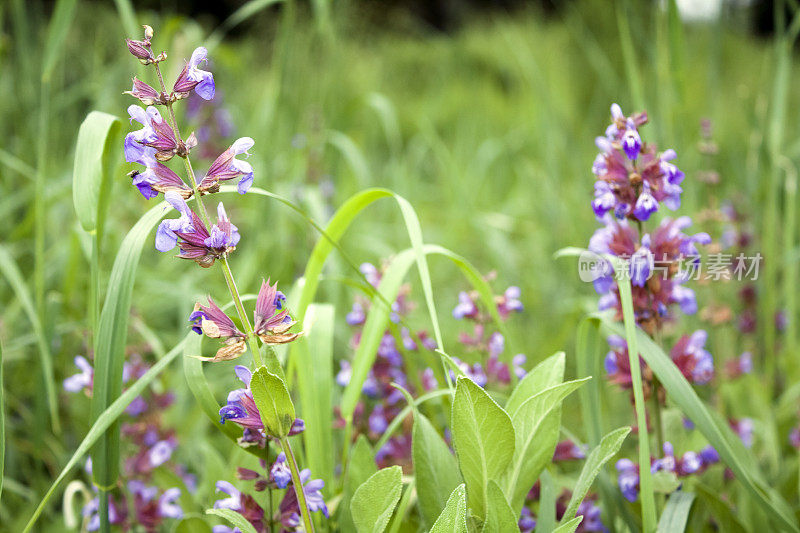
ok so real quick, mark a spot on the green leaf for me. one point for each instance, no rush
(360, 467)
(89, 176)
(435, 468)
(110, 343)
(546, 374)
(499, 515)
(273, 402)
(546, 516)
(399, 518)
(483, 437)
(315, 390)
(374, 501)
(665, 482)
(676, 513)
(599, 456)
(536, 426)
(104, 421)
(13, 276)
(454, 517)
(192, 524)
(570, 526)
(719, 435)
(234, 518)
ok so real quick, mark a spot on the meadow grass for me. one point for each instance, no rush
(487, 132)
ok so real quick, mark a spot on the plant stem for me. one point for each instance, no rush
(237, 301)
(298, 485)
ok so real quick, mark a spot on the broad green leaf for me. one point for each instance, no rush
(315, 390)
(104, 421)
(360, 467)
(273, 402)
(234, 518)
(89, 176)
(570, 526)
(374, 501)
(483, 437)
(676, 513)
(454, 517)
(435, 468)
(599, 456)
(499, 515)
(719, 435)
(536, 425)
(13, 276)
(110, 343)
(192, 524)
(546, 374)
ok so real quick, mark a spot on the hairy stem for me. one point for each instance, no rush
(298, 485)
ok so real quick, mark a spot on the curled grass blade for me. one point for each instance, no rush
(103, 422)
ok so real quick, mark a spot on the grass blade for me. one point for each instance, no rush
(13, 275)
(103, 422)
(676, 512)
(110, 343)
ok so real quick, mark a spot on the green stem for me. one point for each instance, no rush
(298, 485)
(237, 301)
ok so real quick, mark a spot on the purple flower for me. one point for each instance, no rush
(289, 508)
(158, 178)
(692, 359)
(466, 307)
(631, 141)
(213, 321)
(193, 78)
(344, 374)
(517, 363)
(83, 380)
(167, 232)
(356, 316)
(140, 50)
(509, 302)
(272, 322)
(144, 93)
(371, 273)
(744, 428)
(137, 149)
(628, 479)
(642, 263)
(646, 205)
(280, 473)
(136, 407)
(591, 516)
(161, 452)
(709, 455)
(227, 167)
(233, 501)
(527, 522)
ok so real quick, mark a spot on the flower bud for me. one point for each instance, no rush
(139, 49)
(148, 32)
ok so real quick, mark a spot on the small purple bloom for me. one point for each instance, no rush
(628, 479)
(280, 473)
(356, 316)
(631, 141)
(233, 501)
(193, 78)
(167, 504)
(646, 205)
(80, 381)
(161, 452)
(466, 307)
(166, 235)
(227, 167)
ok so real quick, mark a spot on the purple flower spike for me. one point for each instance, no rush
(233, 501)
(193, 78)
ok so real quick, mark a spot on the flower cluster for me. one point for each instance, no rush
(632, 178)
(689, 355)
(383, 402)
(276, 477)
(147, 446)
(272, 323)
(484, 340)
(688, 464)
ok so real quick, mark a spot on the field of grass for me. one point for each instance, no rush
(488, 134)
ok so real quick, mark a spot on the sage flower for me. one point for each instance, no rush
(272, 322)
(194, 79)
(226, 167)
(213, 321)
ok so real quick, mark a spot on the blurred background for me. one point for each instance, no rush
(481, 113)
